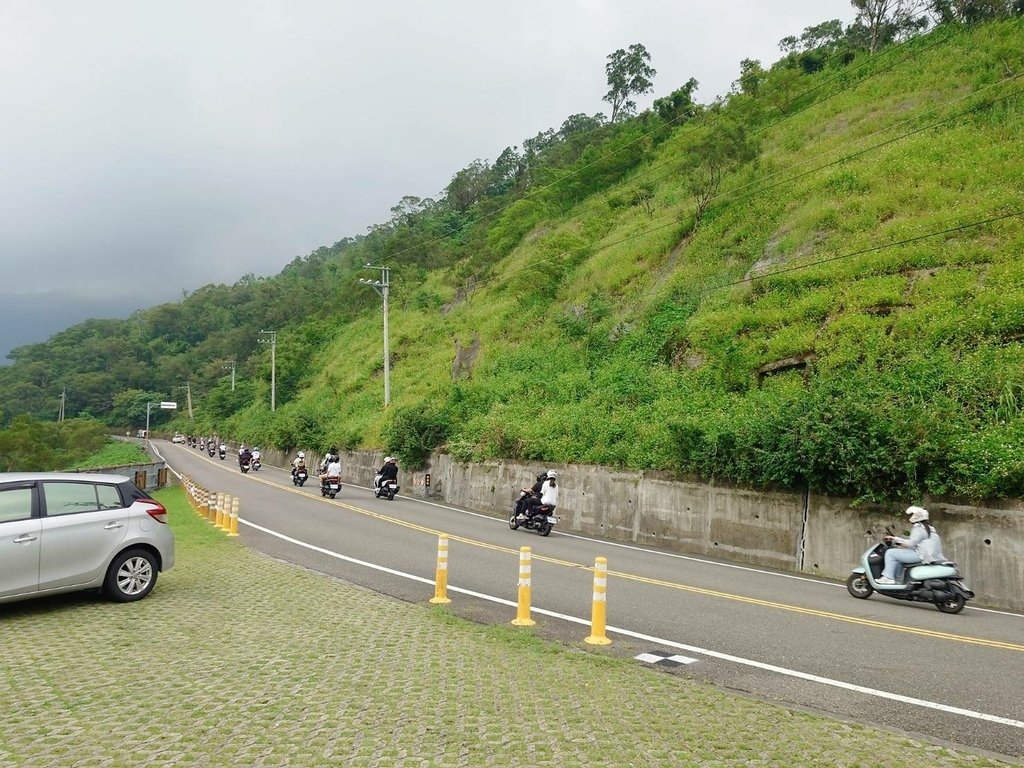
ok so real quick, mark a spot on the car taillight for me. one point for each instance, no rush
(156, 510)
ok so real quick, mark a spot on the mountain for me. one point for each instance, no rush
(816, 281)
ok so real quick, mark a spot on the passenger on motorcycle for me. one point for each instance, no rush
(545, 494)
(923, 546)
(388, 472)
(332, 469)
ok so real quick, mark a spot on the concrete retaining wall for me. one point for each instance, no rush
(809, 533)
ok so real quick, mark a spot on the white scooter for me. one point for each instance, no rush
(938, 583)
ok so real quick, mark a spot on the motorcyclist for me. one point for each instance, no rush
(298, 461)
(923, 546)
(244, 456)
(544, 492)
(256, 453)
(332, 468)
(387, 472)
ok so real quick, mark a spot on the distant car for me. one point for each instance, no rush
(178, 438)
(63, 532)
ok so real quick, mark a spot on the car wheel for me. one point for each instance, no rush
(857, 585)
(131, 576)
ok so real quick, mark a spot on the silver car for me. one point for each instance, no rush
(61, 532)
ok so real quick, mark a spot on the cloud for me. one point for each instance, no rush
(149, 148)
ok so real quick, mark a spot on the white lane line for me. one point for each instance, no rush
(660, 641)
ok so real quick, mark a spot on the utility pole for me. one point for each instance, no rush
(63, 397)
(231, 364)
(187, 386)
(272, 341)
(382, 287)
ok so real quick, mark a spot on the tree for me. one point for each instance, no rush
(888, 20)
(678, 104)
(629, 72)
(722, 146)
(752, 74)
(468, 185)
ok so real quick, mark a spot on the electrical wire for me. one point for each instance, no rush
(719, 116)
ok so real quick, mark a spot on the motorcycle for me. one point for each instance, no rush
(245, 465)
(299, 475)
(938, 583)
(212, 450)
(255, 467)
(330, 486)
(542, 521)
(223, 453)
(386, 489)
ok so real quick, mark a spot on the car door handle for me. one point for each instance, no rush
(112, 526)
(25, 538)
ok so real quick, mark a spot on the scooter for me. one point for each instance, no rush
(223, 453)
(542, 522)
(255, 465)
(386, 489)
(330, 486)
(938, 583)
(212, 450)
(245, 465)
(300, 475)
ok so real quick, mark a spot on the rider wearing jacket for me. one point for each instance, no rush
(388, 472)
(923, 546)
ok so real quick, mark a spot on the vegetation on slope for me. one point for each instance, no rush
(813, 281)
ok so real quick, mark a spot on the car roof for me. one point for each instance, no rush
(92, 477)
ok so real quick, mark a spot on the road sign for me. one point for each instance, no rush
(170, 406)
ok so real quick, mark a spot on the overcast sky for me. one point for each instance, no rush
(148, 148)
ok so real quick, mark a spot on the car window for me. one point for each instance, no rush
(15, 504)
(68, 498)
(109, 497)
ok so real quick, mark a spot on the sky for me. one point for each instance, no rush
(150, 148)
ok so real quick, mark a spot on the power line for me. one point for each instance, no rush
(719, 115)
(862, 251)
(853, 155)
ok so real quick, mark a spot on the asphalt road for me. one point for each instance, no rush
(789, 639)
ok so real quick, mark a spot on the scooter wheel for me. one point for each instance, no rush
(545, 529)
(391, 495)
(952, 604)
(858, 586)
(513, 522)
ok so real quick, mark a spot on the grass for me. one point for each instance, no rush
(116, 453)
(238, 659)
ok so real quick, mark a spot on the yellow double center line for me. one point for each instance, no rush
(998, 644)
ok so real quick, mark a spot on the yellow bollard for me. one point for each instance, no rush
(222, 499)
(599, 613)
(211, 506)
(441, 581)
(233, 525)
(522, 618)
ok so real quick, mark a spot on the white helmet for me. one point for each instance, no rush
(302, 455)
(552, 474)
(241, 447)
(917, 514)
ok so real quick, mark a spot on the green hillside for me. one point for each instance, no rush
(846, 312)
